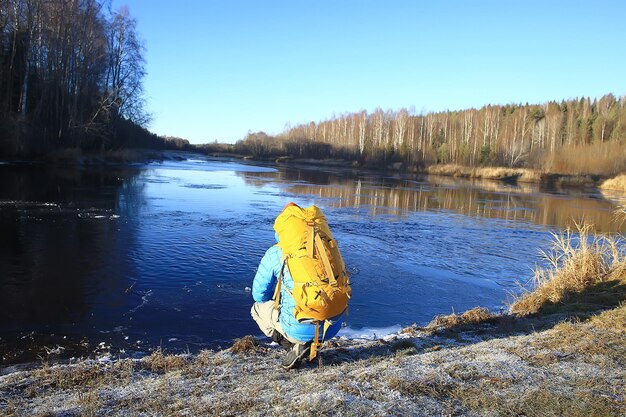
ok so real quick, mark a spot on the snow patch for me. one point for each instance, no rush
(369, 333)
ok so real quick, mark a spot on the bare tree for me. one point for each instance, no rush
(126, 70)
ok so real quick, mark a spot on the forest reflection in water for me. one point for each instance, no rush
(397, 195)
(61, 243)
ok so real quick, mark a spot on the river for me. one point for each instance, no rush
(129, 258)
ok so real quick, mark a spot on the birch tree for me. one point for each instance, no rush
(126, 69)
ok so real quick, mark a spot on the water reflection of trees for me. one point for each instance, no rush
(57, 243)
(259, 179)
(382, 195)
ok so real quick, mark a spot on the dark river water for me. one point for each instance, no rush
(130, 258)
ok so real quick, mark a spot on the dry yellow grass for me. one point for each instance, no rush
(159, 362)
(616, 183)
(614, 319)
(450, 170)
(530, 175)
(578, 262)
(246, 344)
(487, 173)
(476, 315)
(567, 178)
(520, 174)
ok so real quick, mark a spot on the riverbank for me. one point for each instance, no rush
(523, 175)
(504, 366)
(77, 157)
(515, 175)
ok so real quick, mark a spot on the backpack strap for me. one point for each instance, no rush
(277, 289)
(316, 343)
(328, 269)
(310, 241)
(326, 326)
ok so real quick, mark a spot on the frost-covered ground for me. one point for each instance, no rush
(508, 366)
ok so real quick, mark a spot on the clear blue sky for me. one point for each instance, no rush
(217, 69)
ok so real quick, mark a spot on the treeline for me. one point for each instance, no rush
(71, 75)
(571, 136)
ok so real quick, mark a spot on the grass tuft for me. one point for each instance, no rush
(616, 183)
(246, 344)
(417, 388)
(404, 346)
(64, 377)
(204, 358)
(477, 315)
(614, 320)
(161, 363)
(585, 269)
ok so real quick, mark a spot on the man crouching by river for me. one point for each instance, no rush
(302, 311)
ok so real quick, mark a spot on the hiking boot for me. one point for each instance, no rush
(295, 355)
(281, 340)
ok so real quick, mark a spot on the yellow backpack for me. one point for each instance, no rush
(321, 287)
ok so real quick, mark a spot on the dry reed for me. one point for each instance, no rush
(487, 173)
(616, 183)
(576, 262)
(600, 158)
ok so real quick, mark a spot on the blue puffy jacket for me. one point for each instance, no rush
(263, 290)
